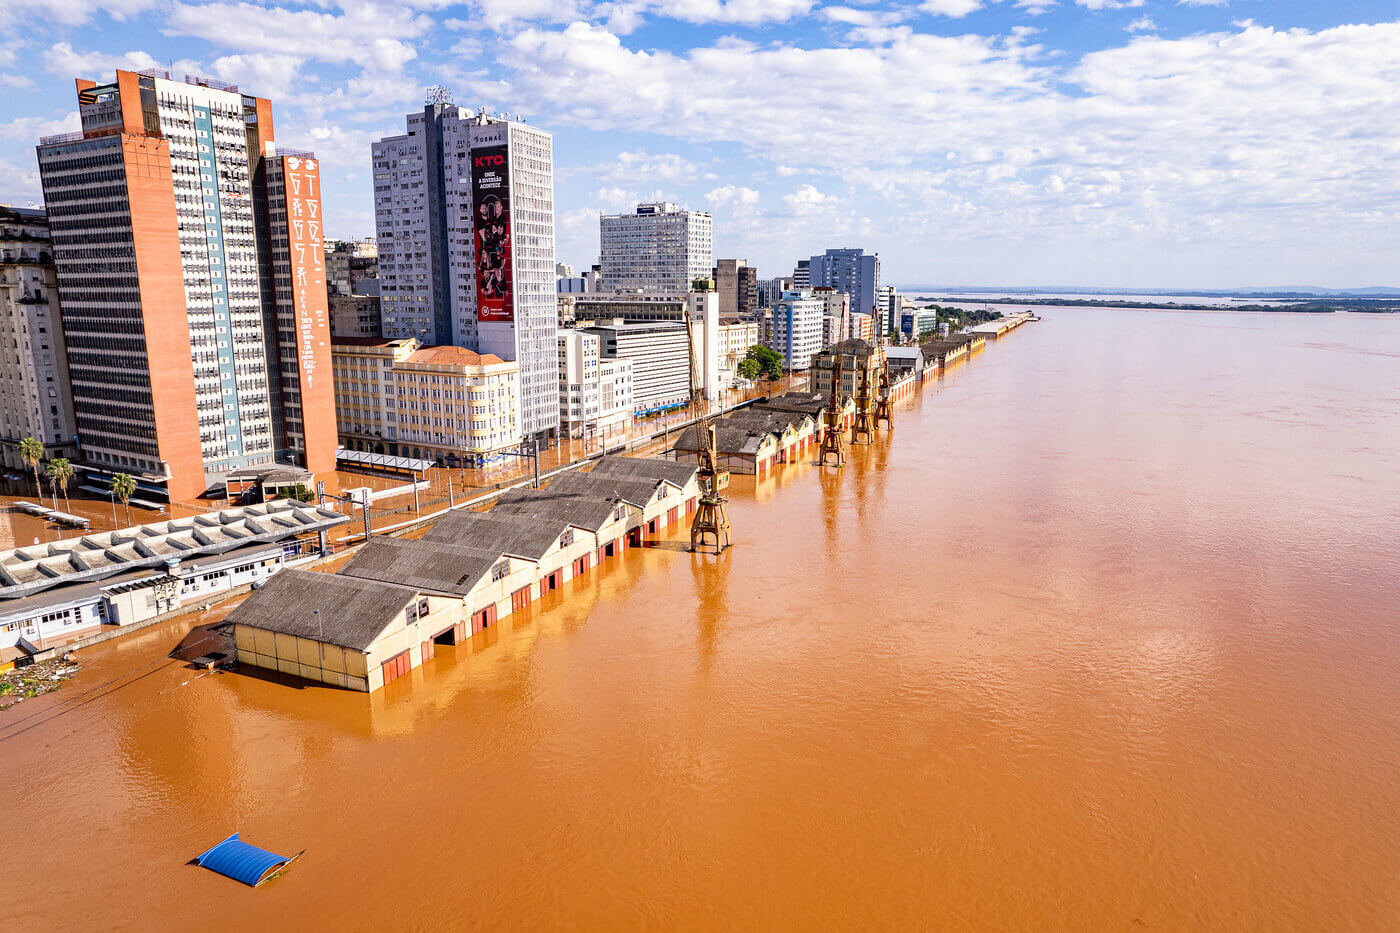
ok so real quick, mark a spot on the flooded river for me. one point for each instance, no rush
(1105, 635)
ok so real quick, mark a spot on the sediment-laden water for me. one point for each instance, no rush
(1106, 634)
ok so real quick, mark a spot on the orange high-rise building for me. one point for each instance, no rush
(192, 282)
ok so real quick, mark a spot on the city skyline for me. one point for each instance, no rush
(1105, 143)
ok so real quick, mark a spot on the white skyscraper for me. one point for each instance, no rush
(464, 211)
(797, 328)
(656, 248)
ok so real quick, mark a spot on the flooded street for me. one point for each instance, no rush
(1106, 634)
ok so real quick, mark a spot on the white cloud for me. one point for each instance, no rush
(951, 8)
(1184, 139)
(68, 12)
(1097, 5)
(371, 34)
(632, 168)
(731, 196)
(1036, 7)
(1141, 24)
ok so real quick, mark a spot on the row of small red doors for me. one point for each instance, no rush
(400, 663)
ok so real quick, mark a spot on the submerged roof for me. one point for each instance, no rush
(423, 565)
(646, 468)
(27, 570)
(325, 607)
(243, 862)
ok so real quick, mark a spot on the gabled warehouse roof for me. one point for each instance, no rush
(326, 607)
(646, 468)
(588, 511)
(638, 492)
(525, 536)
(423, 565)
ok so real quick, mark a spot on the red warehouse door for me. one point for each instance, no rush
(672, 515)
(396, 667)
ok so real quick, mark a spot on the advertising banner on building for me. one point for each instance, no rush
(491, 216)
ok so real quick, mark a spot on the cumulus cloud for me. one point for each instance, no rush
(731, 196)
(1177, 137)
(631, 168)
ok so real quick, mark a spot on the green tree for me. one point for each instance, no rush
(60, 475)
(770, 361)
(31, 452)
(123, 486)
(750, 368)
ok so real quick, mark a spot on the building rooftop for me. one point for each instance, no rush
(370, 341)
(607, 487)
(331, 608)
(646, 468)
(423, 565)
(808, 403)
(528, 537)
(27, 570)
(588, 511)
(452, 356)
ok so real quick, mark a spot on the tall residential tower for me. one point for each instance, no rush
(464, 212)
(192, 283)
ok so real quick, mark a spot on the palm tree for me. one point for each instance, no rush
(124, 487)
(31, 452)
(60, 475)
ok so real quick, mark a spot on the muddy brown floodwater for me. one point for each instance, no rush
(1105, 635)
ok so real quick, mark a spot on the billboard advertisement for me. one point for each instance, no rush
(491, 218)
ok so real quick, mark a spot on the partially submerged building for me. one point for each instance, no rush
(385, 612)
(61, 591)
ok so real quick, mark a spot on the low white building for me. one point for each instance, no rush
(659, 352)
(595, 394)
(55, 593)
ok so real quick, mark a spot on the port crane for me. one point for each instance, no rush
(884, 409)
(711, 517)
(834, 439)
(863, 427)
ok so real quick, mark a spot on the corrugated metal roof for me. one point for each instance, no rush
(528, 537)
(423, 565)
(611, 488)
(243, 862)
(590, 511)
(646, 468)
(326, 607)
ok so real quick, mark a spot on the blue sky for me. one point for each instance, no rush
(1135, 143)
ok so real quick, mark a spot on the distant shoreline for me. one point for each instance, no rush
(1317, 306)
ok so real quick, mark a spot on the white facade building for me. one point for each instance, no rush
(656, 248)
(595, 394)
(34, 396)
(659, 352)
(798, 319)
(836, 314)
(464, 202)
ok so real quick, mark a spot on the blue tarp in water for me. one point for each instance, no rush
(243, 862)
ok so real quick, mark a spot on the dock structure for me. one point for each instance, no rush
(385, 612)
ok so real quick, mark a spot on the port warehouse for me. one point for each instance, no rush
(62, 591)
(385, 612)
